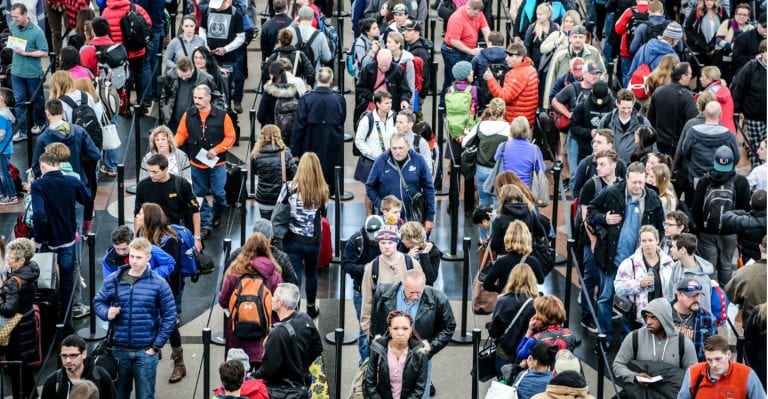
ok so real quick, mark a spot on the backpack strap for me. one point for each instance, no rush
(635, 344)
(680, 349)
(695, 388)
(375, 272)
(312, 38)
(69, 101)
(183, 47)
(408, 262)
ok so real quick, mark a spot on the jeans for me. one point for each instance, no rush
(605, 304)
(607, 28)
(304, 261)
(22, 91)
(110, 159)
(362, 339)
(719, 250)
(139, 366)
(450, 57)
(150, 59)
(626, 64)
(66, 258)
(6, 181)
(572, 149)
(481, 175)
(237, 77)
(210, 181)
(429, 380)
(591, 281)
(137, 80)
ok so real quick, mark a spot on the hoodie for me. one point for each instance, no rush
(700, 144)
(566, 385)
(487, 56)
(700, 272)
(161, 262)
(509, 213)
(80, 145)
(741, 196)
(651, 53)
(273, 92)
(654, 348)
(491, 134)
(6, 131)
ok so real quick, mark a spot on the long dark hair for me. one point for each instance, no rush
(156, 224)
(211, 66)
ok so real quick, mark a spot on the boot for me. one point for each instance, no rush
(179, 370)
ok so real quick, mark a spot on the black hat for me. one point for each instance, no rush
(412, 25)
(600, 93)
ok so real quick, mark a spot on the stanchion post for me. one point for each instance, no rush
(441, 144)
(348, 337)
(556, 170)
(337, 215)
(206, 362)
(339, 341)
(30, 140)
(453, 205)
(476, 333)
(90, 334)
(601, 366)
(498, 15)
(251, 144)
(137, 141)
(340, 192)
(461, 337)
(568, 273)
(243, 208)
(120, 194)
(435, 94)
(508, 33)
(218, 337)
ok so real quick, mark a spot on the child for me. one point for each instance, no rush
(391, 207)
(8, 195)
(460, 108)
(481, 217)
(236, 386)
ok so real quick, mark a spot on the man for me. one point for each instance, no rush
(461, 35)
(689, 266)
(293, 343)
(574, 76)
(493, 56)
(140, 306)
(415, 10)
(750, 101)
(651, 29)
(385, 179)
(690, 318)
(624, 122)
(210, 133)
(587, 168)
(747, 287)
(748, 226)
(178, 84)
(585, 119)
(616, 215)
(577, 47)
(404, 125)
(222, 29)
(675, 350)
(657, 48)
(116, 255)
(305, 35)
(156, 12)
(432, 315)
(361, 249)
(747, 46)
(399, 19)
(521, 85)
(76, 365)
(718, 375)
(675, 223)
(27, 71)
(701, 142)
(422, 48)
(722, 189)
(680, 165)
(271, 28)
(671, 106)
(54, 196)
(319, 125)
(623, 26)
(380, 75)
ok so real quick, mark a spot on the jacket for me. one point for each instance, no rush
(665, 350)
(679, 164)
(745, 48)
(487, 56)
(700, 273)
(520, 91)
(179, 47)
(490, 135)
(531, 382)
(23, 342)
(170, 91)
(746, 90)
(81, 146)
(739, 382)
(700, 145)
(269, 172)
(614, 199)
(747, 287)
(116, 10)
(551, 334)
(389, 272)
(367, 138)
(724, 97)
(651, 54)
(522, 158)
(624, 140)
(6, 130)
(632, 270)
(703, 326)
(694, 37)
(622, 24)
(507, 307)
(421, 48)
(671, 99)
(182, 166)
(434, 321)
(88, 52)
(564, 392)
(269, 31)
(384, 180)
(587, 116)
(395, 82)
(53, 213)
(377, 384)
(358, 252)
(58, 385)
(509, 213)
(270, 94)
(741, 196)
(430, 261)
(161, 262)
(147, 309)
(303, 66)
(498, 271)
(749, 226)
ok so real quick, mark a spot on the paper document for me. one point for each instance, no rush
(15, 42)
(202, 157)
(649, 380)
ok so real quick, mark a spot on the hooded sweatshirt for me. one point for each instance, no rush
(651, 53)
(654, 348)
(700, 145)
(79, 143)
(700, 272)
(491, 135)
(6, 130)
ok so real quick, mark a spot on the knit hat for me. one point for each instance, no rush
(569, 378)
(673, 31)
(239, 355)
(600, 93)
(388, 235)
(263, 226)
(399, 9)
(724, 159)
(565, 360)
(461, 70)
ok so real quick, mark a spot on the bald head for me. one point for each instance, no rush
(712, 112)
(384, 59)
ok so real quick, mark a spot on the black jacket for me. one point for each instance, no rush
(614, 199)
(506, 308)
(672, 105)
(377, 385)
(269, 171)
(434, 321)
(748, 91)
(395, 82)
(304, 70)
(269, 32)
(587, 116)
(58, 385)
(358, 252)
(694, 37)
(741, 191)
(496, 277)
(750, 228)
(745, 48)
(508, 214)
(22, 344)
(271, 93)
(170, 91)
(429, 261)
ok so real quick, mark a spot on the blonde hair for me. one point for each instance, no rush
(663, 73)
(496, 109)
(701, 8)
(59, 149)
(389, 202)
(86, 85)
(538, 30)
(414, 232)
(520, 129)
(310, 182)
(397, 37)
(647, 228)
(509, 177)
(663, 182)
(522, 279)
(141, 244)
(518, 238)
(512, 194)
(574, 16)
(711, 72)
(61, 84)
(270, 134)
(162, 129)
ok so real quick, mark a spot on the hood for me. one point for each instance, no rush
(708, 135)
(28, 273)
(66, 168)
(251, 387)
(494, 54)
(419, 43)
(661, 308)
(490, 128)
(657, 48)
(263, 266)
(563, 392)
(518, 210)
(280, 90)
(380, 342)
(63, 130)
(7, 114)
(525, 63)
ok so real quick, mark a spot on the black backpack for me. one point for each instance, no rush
(484, 93)
(136, 31)
(653, 31)
(718, 199)
(285, 114)
(85, 117)
(306, 47)
(638, 18)
(369, 115)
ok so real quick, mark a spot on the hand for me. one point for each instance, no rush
(405, 105)
(18, 50)
(593, 132)
(428, 225)
(219, 51)
(414, 252)
(198, 246)
(612, 218)
(644, 375)
(112, 312)
(488, 75)
(475, 51)
(150, 352)
(646, 281)
(524, 363)
(211, 154)
(532, 323)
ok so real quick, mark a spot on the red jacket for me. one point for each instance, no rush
(88, 53)
(115, 11)
(622, 24)
(520, 91)
(724, 97)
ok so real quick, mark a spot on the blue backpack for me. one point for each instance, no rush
(188, 255)
(330, 33)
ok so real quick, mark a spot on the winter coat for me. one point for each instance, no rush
(434, 321)
(520, 91)
(303, 66)
(269, 31)
(23, 342)
(749, 226)
(395, 83)
(498, 274)
(147, 309)
(179, 47)
(564, 392)
(745, 48)
(651, 53)
(269, 172)
(58, 385)
(533, 45)
(358, 252)
(700, 145)
(117, 10)
(552, 335)
(53, 215)
(561, 60)
(270, 94)
(700, 273)
(741, 196)
(624, 140)
(632, 270)
(282, 260)
(679, 164)
(430, 261)
(170, 90)
(161, 262)
(724, 97)
(265, 268)
(181, 167)
(587, 116)
(384, 180)
(81, 147)
(507, 307)
(491, 134)
(694, 36)
(377, 385)
(531, 382)
(671, 106)
(747, 92)
(509, 213)
(521, 157)
(367, 137)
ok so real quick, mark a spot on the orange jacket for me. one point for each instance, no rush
(520, 91)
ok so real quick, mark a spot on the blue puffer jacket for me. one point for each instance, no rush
(160, 262)
(147, 309)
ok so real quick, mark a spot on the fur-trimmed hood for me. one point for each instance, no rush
(380, 342)
(280, 90)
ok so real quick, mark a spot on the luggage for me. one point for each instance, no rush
(235, 187)
(47, 296)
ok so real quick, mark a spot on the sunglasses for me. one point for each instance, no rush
(690, 288)
(512, 54)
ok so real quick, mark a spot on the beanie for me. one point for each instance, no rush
(461, 70)
(673, 31)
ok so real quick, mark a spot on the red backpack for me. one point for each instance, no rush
(418, 68)
(637, 83)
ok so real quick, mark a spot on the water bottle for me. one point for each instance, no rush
(651, 287)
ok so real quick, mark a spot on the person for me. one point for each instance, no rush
(656, 49)
(207, 129)
(399, 362)
(748, 101)
(758, 177)
(116, 255)
(675, 223)
(288, 355)
(520, 90)
(514, 205)
(142, 323)
(205, 62)
(178, 85)
(558, 38)
(162, 141)
(628, 18)
(16, 296)
(69, 60)
(718, 372)
(433, 318)
(535, 378)
(221, 27)
(318, 126)
(77, 36)
(659, 77)
(494, 55)
(568, 383)
(419, 47)
(673, 98)
(748, 226)
(256, 259)
(587, 167)
(271, 29)
(577, 47)
(518, 246)
(615, 214)
(379, 75)
(27, 71)
(702, 141)
(745, 288)
(663, 183)
(274, 165)
(624, 121)
(303, 67)
(701, 29)
(8, 193)
(461, 37)
(413, 241)
(399, 15)
(235, 384)
(307, 35)
(366, 43)
(546, 326)
(535, 35)
(297, 226)
(416, 176)
(754, 337)
(374, 131)
(84, 389)
(730, 29)
(519, 155)
(747, 46)
(184, 44)
(654, 27)
(279, 101)
(101, 41)
(404, 121)
(586, 117)
(492, 130)
(76, 366)
(711, 82)
(689, 266)
(690, 318)
(714, 243)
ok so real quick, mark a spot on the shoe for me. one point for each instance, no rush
(9, 200)
(37, 129)
(19, 136)
(238, 107)
(313, 311)
(179, 369)
(590, 326)
(81, 311)
(432, 390)
(216, 220)
(205, 233)
(104, 171)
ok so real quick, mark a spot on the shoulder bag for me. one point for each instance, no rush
(539, 182)
(487, 355)
(8, 324)
(483, 302)
(416, 202)
(498, 167)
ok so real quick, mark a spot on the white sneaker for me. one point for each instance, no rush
(37, 129)
(19, 136)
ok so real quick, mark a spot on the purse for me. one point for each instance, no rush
(498, 167)
(540, 183)
(288, 392)
(110, 140)
(486, 361)
(416, 202)
(626, 305)
(102, 355)
(8, 324)
(483, 302)
(469, 156)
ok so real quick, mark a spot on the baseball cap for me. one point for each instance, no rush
(723, 159)
(412, 25)
(689, 288)
(579, 30)
(215, 4)
(592, 68)
(373, 224)
(387, 235)
(577, 63)
(400, 9)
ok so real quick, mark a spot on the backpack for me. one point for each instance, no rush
(637, 82)
(652, 31)
(375, 269)
(369, 115)
(85, 117)
(187, 253)
(357, 390)
(136, 31)
(719, 303)
(108, 97)
(418, 68)
(718, 199)
(250, 307)
(112, 67)
(638, 18)
(285, 113)
(331, 35)
(458, 105)
(498, 70)
(306, 47)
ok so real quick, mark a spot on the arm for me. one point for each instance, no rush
(372, 184)
(350, 256)
(512, 87)
(625, 283)
(229, 136)
(637, 40)
(167, 314)
(162, 262)
(492, 277)
(620, 26)
(104, 299)
(170, 53)
(9, 304)
(497, 236)
(685, 388)
(236, 43)
(580, 128)
(559, 107)
(181, 132)
(620, 369)
(360, 140)
(754, 386)
(371, 377)
(428, 188)
(422, 379)
(39, 216)
(550, 42)
(366, 289)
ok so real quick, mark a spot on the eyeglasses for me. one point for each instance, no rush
(70, 355)
(667, 224)
(690, 288)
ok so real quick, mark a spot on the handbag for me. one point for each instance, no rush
(102, 355)
(325, 256)
(110, 140)
(498, 167)
(318, 389)
(500, 391)
(445, 9)
(8, 324)
(416, 202)
(486, 361)
(625, 304)
(540, 183)
(288, 392)
(469, 156)
(483, 302)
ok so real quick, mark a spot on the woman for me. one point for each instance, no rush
(517, 243)
(367, 43)
(513, 205)
(546, 326)
(278, 89)
(515, 301)
(204, 61)
(711, 82)
(152, 224)
(109, 158)
(254, 259)
(559, 38)
(399, 361)
(79, 38)
(161, 141)
(508, 177)
(645, 143)
(16, 296)
(644, 276)
(520, 156)
(667, 193)
(413, 241)
(299, 83)
(270, 157)
(69, 60)
(535, 35)
(525, 16)
(303, 67)
(534, 380)
(701, 28)
(488, 134)
(652, 160)
(184, 44)
(298, 224)
(662, 74)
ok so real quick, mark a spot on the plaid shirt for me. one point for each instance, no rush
(703, 326)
